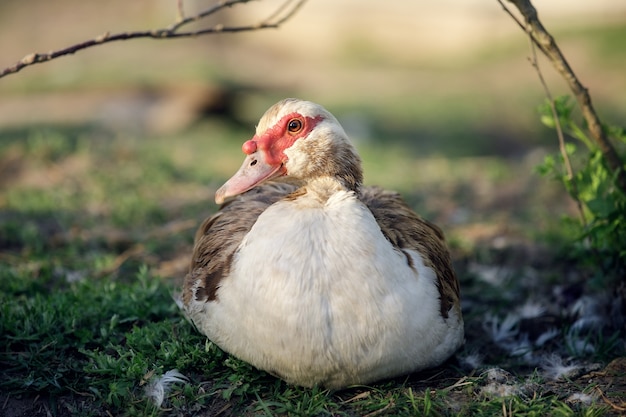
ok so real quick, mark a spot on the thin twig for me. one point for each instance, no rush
(201, 15)
(359, 396)
(559, 131)
(546, 43)
(382, 410)
(287, 15)
(134, 250)
(619, 407)
(515, 19)
(460, 383)
(278, 11)
(287, 10)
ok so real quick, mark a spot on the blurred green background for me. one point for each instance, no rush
(439, 97)
(109, 160)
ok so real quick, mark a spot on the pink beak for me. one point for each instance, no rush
(253, 172)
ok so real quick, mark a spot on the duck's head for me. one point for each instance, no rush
(298, 141)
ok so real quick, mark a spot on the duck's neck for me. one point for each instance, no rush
(327, 160)
(320, 189)
(345, 168)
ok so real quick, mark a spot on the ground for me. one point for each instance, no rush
(109, 161)
(97, 233)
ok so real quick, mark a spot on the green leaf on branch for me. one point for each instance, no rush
(593, 186)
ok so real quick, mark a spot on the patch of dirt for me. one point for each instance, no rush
(610, 385)
(12, 405)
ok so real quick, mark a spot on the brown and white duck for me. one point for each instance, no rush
(312, 277)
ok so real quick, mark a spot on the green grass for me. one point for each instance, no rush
(90, 221)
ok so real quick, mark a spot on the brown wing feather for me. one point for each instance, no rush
(406, 230)
(220, 235)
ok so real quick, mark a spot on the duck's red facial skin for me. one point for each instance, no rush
(266, 154)
(273, 142)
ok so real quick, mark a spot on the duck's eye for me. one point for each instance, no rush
(294, 125)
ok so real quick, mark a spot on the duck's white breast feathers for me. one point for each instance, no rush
(316, 283)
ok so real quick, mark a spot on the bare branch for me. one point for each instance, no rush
(280, 16)
(546, 43)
